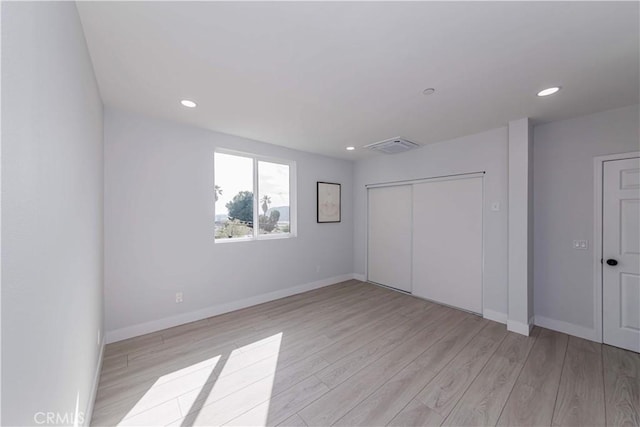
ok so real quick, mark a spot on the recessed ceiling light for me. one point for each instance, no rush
(549, 91)
(187, 103)
(351, 148)
(428, 91)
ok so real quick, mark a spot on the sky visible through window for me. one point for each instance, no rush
(273, 181)
(235, 174)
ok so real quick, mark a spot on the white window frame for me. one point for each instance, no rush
(293, 211)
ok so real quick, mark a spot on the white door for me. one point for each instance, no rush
(389, 237)
(447, 242)
(621, 253)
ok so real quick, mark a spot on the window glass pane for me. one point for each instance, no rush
(273, 198)
(234, 196)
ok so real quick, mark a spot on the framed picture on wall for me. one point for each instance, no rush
(328, 202)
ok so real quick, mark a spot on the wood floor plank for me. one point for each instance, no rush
(303, 304)
(283, 378)
(133, 374)
(346, 301)
(344, 368)
(252, 362)
(483, 401)
(110, 410)
(188, 388)
(621, 386)
(449, 385)
(362, 355)
(178, 369)
(370, 332)
(380, 407)
(236, 319)
(293, 421)
(147, 356)
(182, 330)
(343, 319)
(329, 321)
(344, 327)
(347, 296)
(114, 363)
(416, 413)
(332, 406)
(139, 344)
(136, 343)
(296, 300)
(282, 406)
(258, 401)
(138, 381)
(580, 399)
(151, 417)
(253, 328)
(533, 396)
(229, 407)
(170, 365)
(130, 383)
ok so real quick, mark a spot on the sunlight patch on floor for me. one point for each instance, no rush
(171, 385)
(273, 340)
(251, 386)
(213, 391)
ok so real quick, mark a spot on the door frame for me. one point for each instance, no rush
(598, 207)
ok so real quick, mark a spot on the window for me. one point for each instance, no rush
(239, 214)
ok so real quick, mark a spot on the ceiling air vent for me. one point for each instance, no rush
(392, 146)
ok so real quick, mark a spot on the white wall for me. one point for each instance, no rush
(564, 211)
(159, 228)
(485, 151)
(52, 196)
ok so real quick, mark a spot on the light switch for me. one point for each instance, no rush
(495, 206)
(581, 244)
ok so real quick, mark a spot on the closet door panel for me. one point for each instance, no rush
(447, 242)
(389, 236)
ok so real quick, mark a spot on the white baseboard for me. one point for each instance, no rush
(567, 328)
(180, 319)
(520, 327)
(88, 413)
(360, 277)
(496, 316)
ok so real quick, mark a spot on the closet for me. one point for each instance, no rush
(389, 236)
(425, 237)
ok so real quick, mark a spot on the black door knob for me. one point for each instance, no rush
(612, 262)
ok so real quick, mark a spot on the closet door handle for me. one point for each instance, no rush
(612, 262)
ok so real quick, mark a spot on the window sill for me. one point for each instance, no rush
(260, 238)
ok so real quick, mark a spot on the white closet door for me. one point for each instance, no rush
(447, 242)
(389, 237)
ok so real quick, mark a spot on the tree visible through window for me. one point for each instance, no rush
(237, 211)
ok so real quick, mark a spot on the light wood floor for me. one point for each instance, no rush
(358, 354)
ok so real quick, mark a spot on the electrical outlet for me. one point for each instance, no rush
(178, 297)
(581, 244)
